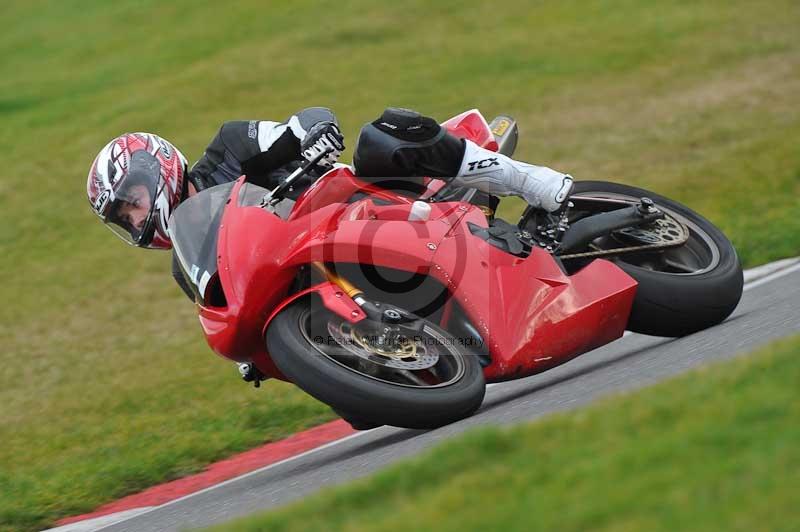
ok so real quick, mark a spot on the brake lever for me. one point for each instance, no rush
(275, 195)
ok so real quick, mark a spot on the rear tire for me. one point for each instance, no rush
(677, 304)
(369, 401)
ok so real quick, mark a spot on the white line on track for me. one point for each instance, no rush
(772, 276)
(97, 523)
(753, 274)
(107, 520)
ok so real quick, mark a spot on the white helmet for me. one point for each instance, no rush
(135, 183)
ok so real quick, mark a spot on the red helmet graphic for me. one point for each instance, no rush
(133, 186)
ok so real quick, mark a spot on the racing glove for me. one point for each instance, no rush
(322, 136)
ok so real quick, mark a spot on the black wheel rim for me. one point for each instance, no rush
(700, 254)
(436, 362)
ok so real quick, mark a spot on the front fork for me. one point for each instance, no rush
(372, 310)
(389, 318)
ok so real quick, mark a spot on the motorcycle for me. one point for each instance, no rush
(396, 302)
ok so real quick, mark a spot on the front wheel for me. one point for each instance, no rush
(419, 378)
(682, 289)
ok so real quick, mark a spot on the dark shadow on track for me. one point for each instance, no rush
(500, 401)
(380, 442)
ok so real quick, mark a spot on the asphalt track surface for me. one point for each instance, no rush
(770, 309)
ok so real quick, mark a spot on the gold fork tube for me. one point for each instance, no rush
(346, 286)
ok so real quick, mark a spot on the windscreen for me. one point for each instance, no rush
(251, 195)
(193, 228)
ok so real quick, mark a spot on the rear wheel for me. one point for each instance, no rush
(417, 377)
(682, 289)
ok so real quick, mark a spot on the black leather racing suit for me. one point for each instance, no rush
(265, 151)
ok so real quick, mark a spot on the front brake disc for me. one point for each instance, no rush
(406, 353)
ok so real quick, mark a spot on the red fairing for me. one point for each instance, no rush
(531, 315)
(337, 186)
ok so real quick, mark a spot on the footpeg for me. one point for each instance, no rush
(250, 373)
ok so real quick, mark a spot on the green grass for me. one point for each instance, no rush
(106, 384)
(717, 449)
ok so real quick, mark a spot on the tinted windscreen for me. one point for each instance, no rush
(251, 195)
(193, 228)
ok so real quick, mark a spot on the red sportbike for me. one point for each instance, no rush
(395, 302)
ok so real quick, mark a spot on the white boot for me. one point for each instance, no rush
(500, 175)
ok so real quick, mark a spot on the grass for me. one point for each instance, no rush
(717, 449)
(106, 384)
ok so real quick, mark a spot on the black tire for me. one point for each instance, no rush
(355, 422)
(677, 304)
(369, 401)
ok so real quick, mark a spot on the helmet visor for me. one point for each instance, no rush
(130, 214)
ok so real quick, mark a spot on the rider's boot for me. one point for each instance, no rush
(500, 175)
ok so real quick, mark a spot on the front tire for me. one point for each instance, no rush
(672, 302)
(369, 392)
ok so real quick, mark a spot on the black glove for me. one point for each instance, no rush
(322, 136)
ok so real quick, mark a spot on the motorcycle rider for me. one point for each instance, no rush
(138, 179)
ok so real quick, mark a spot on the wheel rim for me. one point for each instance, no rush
(700, 253)
(427, 361)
